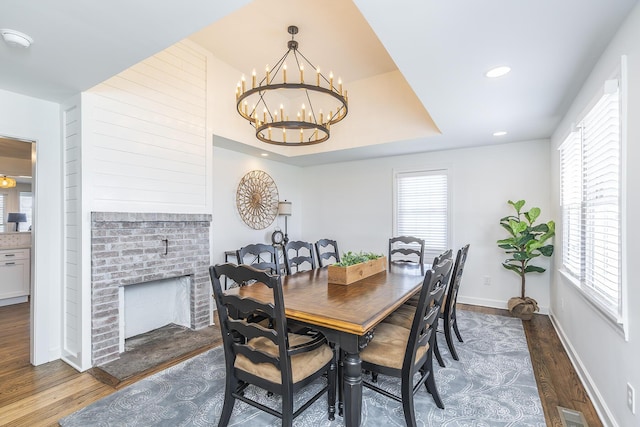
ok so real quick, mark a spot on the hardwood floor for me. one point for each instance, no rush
(39, 396)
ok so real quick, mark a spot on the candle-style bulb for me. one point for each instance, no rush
(284, 73)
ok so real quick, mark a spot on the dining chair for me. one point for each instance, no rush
(327, 249)
(403, 315)
(268, 357)
(402, 353)
(299, 256)
(406, 250)
(448, 311)
(261, 256)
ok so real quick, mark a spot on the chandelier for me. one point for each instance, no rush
(6, 182)
(289, 110)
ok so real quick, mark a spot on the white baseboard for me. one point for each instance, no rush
(484, 302)
(14, 300)
(594, 394)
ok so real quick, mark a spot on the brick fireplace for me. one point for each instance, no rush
(135, 248)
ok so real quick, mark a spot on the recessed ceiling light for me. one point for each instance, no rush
(16, 38)
(498, 71)
(264, 154)
(500, 133)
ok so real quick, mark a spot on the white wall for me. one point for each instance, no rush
(229, 232)
(352, 203)
(606, 361)
(33, 119)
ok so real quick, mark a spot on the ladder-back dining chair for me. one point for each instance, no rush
(327, 250)
(448, 311)
(406, 250)
(402, 353)
(299, 256)
(264, 356)
(261, 256)
(403, 315)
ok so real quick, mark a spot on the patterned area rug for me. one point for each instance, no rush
(491, 385)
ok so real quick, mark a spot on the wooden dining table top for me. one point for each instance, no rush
(354, 308)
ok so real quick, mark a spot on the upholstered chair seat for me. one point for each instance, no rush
(402, 317)
(302, 365)
(389, 346)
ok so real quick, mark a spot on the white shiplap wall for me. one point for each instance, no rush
(147, 135)
(71, 157)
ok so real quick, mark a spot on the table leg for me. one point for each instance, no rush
(352, 372)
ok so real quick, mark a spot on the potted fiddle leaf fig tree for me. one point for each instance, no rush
(526, 242)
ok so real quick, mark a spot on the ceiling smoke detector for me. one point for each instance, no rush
(16, 38)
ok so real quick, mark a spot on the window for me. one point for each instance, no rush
(590, 198)
(422, 208)
(26, 206)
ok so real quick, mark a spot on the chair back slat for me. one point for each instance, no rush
(299, 256)
(325, 250)
(249, 305)
(250, 330)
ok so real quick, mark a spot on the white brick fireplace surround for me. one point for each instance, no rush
(133, 248)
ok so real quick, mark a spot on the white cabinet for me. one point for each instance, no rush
(15, 265)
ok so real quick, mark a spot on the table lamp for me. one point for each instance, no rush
(17, 217)
(284, 209)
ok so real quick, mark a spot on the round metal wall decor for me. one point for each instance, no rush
(257, 199)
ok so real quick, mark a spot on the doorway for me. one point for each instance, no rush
(17, 239)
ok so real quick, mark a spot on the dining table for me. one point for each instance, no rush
(346, 314)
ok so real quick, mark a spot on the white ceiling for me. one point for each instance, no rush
(442, 48)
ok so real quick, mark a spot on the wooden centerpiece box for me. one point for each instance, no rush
(353, 273)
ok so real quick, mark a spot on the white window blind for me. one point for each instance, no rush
(590, 198)
(2, 213)
(26, 206)
(601, 195)
(571, 195)
(422, 209)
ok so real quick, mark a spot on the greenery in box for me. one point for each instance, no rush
(525, 243)
(351, 258)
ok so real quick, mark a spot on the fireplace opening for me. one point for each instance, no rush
(153, 305)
